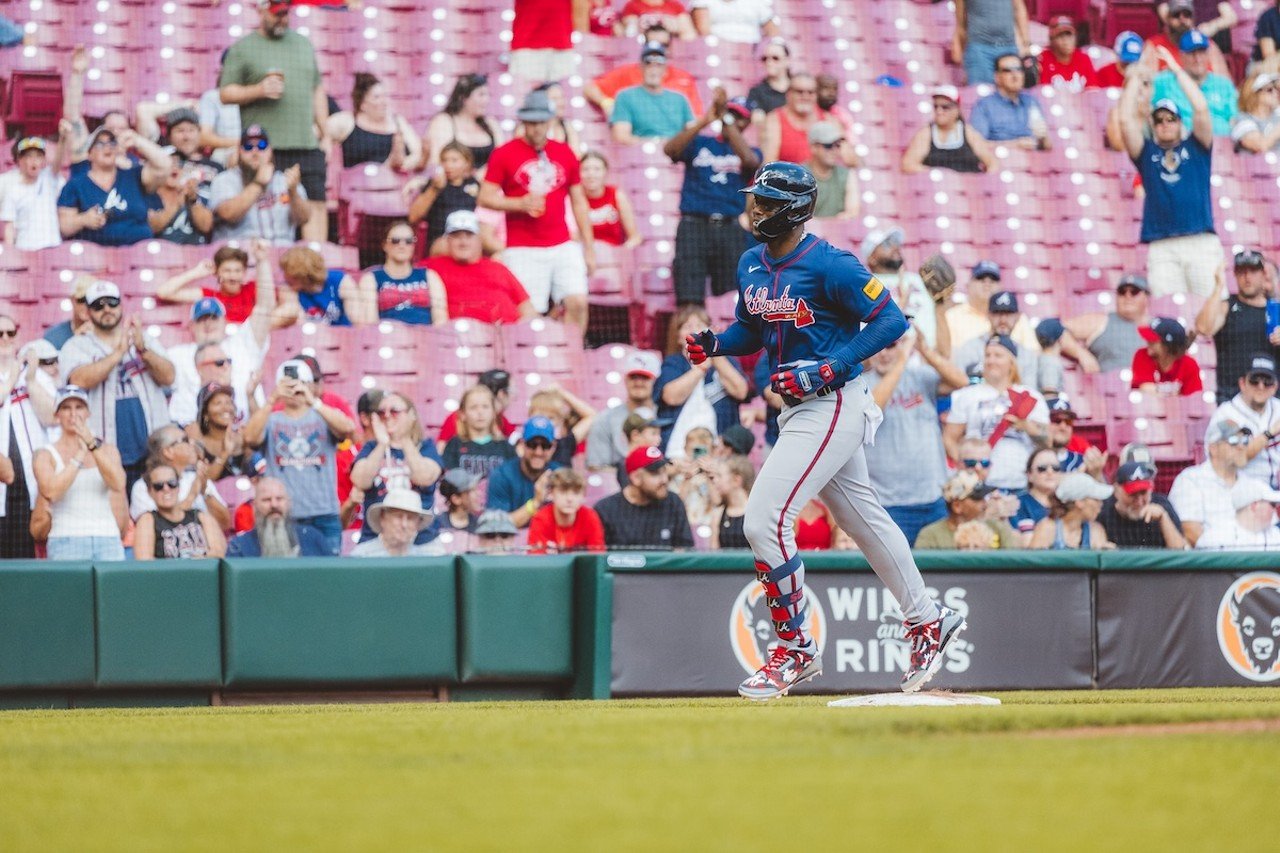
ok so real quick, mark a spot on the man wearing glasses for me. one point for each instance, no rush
(838, 194)
(1201, 494)
(257, 199)
(124, 374)
(105, 204)
(1177, 213)
(1256, 408)
(1238, 322)
(1009, 114)
(519, 486)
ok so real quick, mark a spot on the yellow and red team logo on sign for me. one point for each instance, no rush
(1249, 626)
(751, 627)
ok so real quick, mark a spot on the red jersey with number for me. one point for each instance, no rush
(520, 171)
(1181, 379)
(485, 291)
(606, 220)
(240, 305)
(542, 25)
(585, 534)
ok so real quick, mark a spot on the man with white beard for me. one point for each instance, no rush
(273, 533)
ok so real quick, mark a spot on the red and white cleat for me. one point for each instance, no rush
(785, 669)
(929, 642)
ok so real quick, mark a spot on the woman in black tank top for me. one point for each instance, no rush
(464, 121)
(368, 134)
(947, 142)
(170, 532)
(732, 480)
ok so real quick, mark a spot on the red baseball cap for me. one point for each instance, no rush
(645, 457)
(1061, 24)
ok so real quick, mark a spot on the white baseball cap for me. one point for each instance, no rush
(877, 238)
(643, 362)
(99, 290)
(462, 220)
(304, 370)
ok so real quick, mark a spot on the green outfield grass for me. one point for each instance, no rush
(1034, 774)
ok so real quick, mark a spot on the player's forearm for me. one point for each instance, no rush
(738, 339)
(883, 329)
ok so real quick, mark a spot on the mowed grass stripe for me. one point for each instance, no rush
(643, 774)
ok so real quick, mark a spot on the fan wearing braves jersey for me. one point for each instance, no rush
(818, 314)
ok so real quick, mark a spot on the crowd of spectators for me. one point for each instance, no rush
(112, 444)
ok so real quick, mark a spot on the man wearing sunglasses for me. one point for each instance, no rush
(106, 204)
(1009, 114)
(124, 373)
(1255, 407)
(519, 486)
(1177, 212)
(1178, 17)
(273, 75)
(1201, 494)
(257, 200)
(1074, 453)
(1106, 342)
(838, 193)
(1238, 322)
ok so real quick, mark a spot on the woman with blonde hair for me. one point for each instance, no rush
(1256, 128)
(479, 447)
(690, 395)
(322, 295)
(1012, 419)
(399, 457)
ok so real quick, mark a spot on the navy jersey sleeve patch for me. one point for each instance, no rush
(852, 286)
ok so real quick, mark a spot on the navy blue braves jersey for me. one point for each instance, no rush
(810, 304)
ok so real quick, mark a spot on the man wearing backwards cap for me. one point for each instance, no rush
(1217, 89)
(475, 286)
(1238, 322)
(1177, 213)
(124, 373)
(1255, 406)
(273, 75)
(1062, 63)
(606, 445)
(1202, 493)
(650, 109)
(1253, 525)
(1135, 516)
(646, 514)
(709, 240)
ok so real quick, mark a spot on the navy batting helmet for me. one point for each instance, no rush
(790, 183)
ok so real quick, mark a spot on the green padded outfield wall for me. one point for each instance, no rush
(517, 618)
(159, 624)
(331, 622)
(46, 624)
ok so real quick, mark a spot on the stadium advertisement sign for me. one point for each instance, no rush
(1184, 629)
(702, 633)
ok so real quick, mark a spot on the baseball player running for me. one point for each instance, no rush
(818, 313)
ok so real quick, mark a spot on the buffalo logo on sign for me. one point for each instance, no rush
(1249, 626)
(751, 627)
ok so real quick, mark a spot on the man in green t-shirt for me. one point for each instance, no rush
(273, 75)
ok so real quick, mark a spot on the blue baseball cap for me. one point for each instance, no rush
(207, 307)
(1193, 40)
(1049, 331)
(539, 427)
(986, 269)
(1003, 302)
(1128, 47)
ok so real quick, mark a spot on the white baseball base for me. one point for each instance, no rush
(933, 699)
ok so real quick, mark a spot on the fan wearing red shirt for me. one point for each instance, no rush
(533, 180)
(475, 286)
(604, 89)
(1164, 367)
(1062, 63)
(638, 15)
(542, 39)
(564, 525)
(228, 267)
